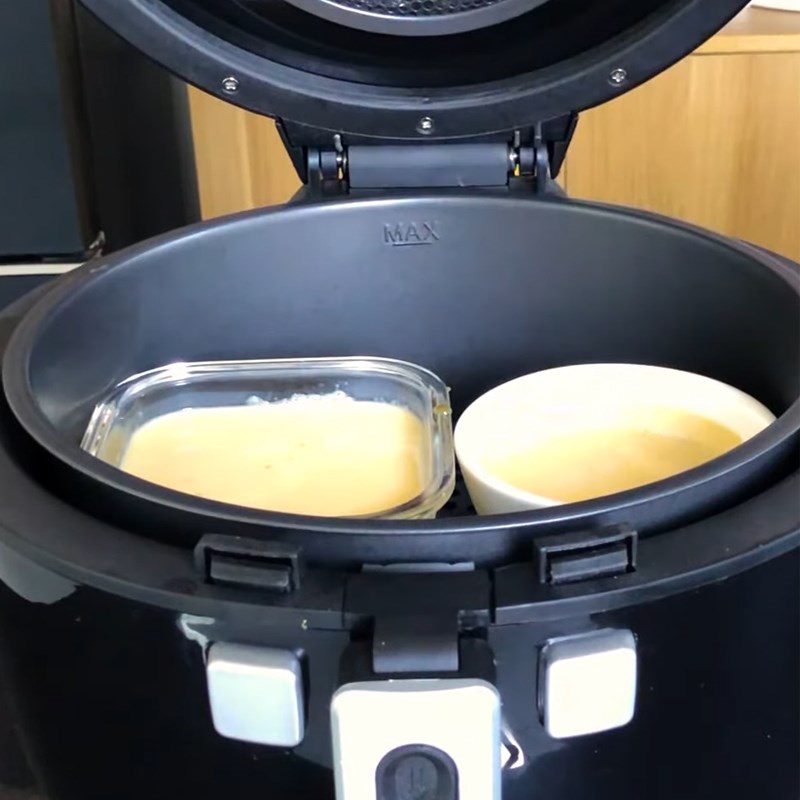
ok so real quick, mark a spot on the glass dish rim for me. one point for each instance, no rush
(434, 495)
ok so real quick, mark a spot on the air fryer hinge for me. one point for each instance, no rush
(333, 163)
(406, 166)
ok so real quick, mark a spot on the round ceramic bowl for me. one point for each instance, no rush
(568, 401)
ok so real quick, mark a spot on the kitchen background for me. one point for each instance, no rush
(714, 141)
(99, 148)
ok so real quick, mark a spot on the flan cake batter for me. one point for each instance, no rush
(325, 455)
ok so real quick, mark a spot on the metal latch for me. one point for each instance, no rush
(421, 623)
(581, 555)
(248, 563)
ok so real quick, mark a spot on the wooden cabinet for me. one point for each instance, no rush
(714, 140)
(241, 162)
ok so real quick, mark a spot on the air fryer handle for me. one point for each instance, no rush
(417, 714)
(436, 738)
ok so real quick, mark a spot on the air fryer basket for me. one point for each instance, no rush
(506, 286)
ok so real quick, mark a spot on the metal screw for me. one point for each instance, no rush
(230, 85)
(341, 156)
(618, 76)
(425, 126)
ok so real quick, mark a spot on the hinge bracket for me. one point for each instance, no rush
(407, 166)
(334, 163)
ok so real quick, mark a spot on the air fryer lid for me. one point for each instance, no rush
(378, 67)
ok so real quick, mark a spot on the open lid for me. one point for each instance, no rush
(407, 70)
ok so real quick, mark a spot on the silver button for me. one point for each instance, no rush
(256, 694)
(587, 683)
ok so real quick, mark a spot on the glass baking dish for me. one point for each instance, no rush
(223, 385)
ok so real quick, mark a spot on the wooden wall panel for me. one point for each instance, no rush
(715, 140)
(241, 163)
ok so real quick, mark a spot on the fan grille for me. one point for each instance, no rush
(418, 17)
(416, 8)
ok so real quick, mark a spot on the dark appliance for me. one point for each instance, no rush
(46, 207)
(643, 644)
(94, 138)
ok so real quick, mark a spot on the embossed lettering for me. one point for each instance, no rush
(402, 234)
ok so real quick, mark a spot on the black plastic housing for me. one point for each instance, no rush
(107, 578)
(563, 56)
(566, 283)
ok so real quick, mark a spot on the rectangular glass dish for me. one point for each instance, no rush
(351, 437)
